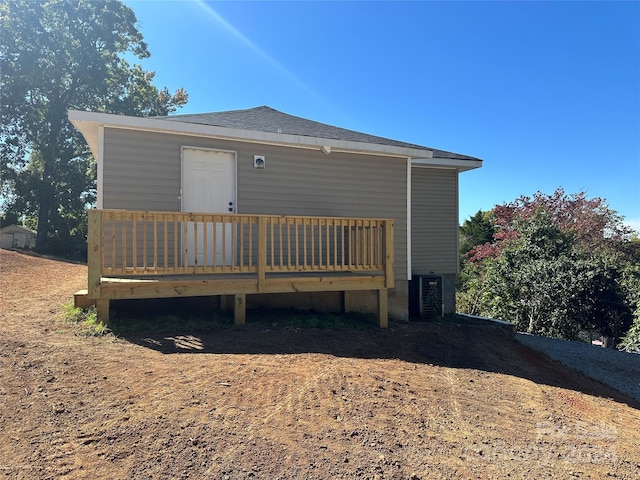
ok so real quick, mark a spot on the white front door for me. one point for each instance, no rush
(208, 186)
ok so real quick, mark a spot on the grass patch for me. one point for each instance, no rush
(85, 319)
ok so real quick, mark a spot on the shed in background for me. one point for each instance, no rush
(16, 236)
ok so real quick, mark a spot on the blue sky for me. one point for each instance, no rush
(546, 93)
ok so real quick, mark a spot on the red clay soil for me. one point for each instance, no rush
(415, 401)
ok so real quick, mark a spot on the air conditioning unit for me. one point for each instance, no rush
(425, 297)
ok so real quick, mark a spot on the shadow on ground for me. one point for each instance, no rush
(469, 345)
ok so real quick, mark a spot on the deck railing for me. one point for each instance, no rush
(137, 243)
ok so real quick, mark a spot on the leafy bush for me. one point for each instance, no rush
(545, 279)
(631, 341)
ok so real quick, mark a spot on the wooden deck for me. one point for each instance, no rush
(134, 254)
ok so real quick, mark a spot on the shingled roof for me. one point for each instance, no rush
(267, 119)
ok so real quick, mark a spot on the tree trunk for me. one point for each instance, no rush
(46, 196)
(43, 220)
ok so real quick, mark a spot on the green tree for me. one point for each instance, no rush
(476, 230)
(631, 340)
(631, 284)
(470, 289)
(557, 264)
(595, 226)
(521, 285)
(57, 55)
(546, 283)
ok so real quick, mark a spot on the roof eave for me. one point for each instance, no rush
(88, 122)
(459, 164)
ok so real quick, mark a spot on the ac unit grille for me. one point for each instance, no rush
(425, 297)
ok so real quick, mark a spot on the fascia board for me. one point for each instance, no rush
(83, 120)
(88, 130)
(461, 165)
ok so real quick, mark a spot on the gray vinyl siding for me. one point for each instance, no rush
(434, 221)
(142, 172)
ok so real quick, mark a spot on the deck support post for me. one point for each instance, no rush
(102, 310)
(346, 301)
(240, 309)
(383, 308)
(94, 252)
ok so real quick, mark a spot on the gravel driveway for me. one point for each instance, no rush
(617, 369)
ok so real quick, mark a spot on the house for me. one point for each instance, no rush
(16, 236)
(267, 208)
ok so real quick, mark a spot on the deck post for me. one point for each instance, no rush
(94, 252)
(262, 252)
(102, 310)
(389, 252)
(383, 308)
(240, 309)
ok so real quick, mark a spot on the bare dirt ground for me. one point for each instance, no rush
(416, 401)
